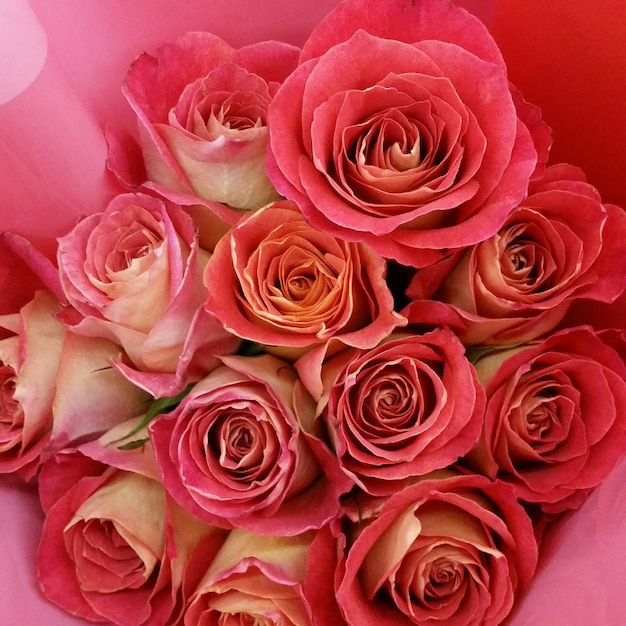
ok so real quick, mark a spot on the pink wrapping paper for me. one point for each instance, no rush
(61, 65)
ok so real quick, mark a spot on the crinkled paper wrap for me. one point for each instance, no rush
(61, 65)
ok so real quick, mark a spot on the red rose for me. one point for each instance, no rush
(407, 407)
(559, 245)
(555, 423)
(398, 129)
(451, 551)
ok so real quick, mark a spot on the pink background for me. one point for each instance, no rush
(61, 65)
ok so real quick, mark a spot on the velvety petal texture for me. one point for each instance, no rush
(243, 450)
(134, 276)
(29, 361)
(452, 550)
(254, 579)
(399, 149)
(277, 281)
(555, 423)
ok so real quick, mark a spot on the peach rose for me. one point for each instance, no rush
(277, 281)
(55, 387)
(254, 579)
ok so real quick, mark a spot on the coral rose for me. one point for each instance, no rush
(114, 546)
(555, 423)
(254, 579)
(407, 407)
(243, 450)
(559, 245)
(451, 551)
(399, 129)
(277, 281)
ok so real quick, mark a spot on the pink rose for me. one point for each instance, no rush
(55, 387)
(201, 108)
(555, 423)
(407, 407)
(243, 450)
(560, 244)
(381, 134)
(277, 281)
(114, 547)
(451, 551)
(254, 579)
(134, 275)
(29, 360)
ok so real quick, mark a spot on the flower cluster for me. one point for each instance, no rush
(313, 364)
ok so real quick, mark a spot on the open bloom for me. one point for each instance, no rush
(453, 550)
(407, 407)
(201, 108)
(555, 423)
(242, 450)
(277, 281)
(114, 546)
(134, 276)
(559, 245)
(398, 129)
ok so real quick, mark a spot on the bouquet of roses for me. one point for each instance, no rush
(324, 358)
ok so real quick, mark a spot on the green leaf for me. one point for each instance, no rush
(250, 348)
(133, 445)
(475, 353)
(157, 407)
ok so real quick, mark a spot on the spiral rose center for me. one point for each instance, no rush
(9, 407)
(240, 444)
(525, 260)
(539, 419)
(104, 557)
(134, 246)
(396, 397)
